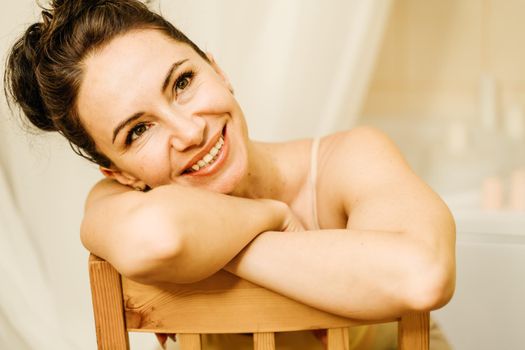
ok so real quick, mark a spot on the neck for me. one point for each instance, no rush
(275, 171)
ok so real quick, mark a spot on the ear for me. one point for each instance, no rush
(219, 71)
(123, 178)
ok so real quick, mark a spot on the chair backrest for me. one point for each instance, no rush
(222, 303)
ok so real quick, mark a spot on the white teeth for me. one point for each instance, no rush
(209, 157)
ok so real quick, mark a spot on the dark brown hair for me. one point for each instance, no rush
(44, 68)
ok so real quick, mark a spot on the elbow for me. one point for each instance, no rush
(433, 278)
(153, 265)
(156, 246)
(431, 289)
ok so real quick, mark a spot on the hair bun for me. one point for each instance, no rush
(20, 81)
(62, 12)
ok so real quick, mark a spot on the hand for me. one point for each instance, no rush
(279, 216)
(284, 218)
(292, 223)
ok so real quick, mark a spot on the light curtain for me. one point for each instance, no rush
(300, 68)
(28, 318)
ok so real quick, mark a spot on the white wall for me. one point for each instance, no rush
(487, 309)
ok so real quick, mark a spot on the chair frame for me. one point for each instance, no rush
(223, 303)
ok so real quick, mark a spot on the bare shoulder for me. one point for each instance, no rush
(373, 180)
(361, 143)
(362, 156)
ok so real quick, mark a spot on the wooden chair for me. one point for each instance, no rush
(222, 303)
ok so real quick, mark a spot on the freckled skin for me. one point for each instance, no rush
(181, 122)
(387, 241)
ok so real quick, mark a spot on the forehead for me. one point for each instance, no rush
(123, 75)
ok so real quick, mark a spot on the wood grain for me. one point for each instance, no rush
(108, 310)
(413, 331)
(264, 341)
(223, 303)
(338, 339)
(189, 341)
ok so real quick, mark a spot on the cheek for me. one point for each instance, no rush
(153, 165)
(214, 98)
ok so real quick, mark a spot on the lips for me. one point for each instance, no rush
(209, 158)
(206, 160)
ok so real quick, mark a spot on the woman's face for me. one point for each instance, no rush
(162, 114)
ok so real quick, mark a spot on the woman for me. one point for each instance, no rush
(187, 193)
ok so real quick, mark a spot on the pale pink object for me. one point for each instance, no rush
(492, 194)
(517, 190)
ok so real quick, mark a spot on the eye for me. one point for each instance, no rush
(136, 132)
(182, 82)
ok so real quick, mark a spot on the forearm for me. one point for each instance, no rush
(213, 228)
(358, 274)
(173, 233)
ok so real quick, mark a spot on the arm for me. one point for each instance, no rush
(172, 233)
(395, 255)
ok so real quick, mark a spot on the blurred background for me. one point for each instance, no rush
(444, 78)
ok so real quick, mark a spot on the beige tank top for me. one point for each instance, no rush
(313, 181)
(299, 340)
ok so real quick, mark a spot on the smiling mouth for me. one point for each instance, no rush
(208, 159)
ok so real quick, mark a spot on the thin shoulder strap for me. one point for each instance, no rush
(313, 181)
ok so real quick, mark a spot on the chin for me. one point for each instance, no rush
(229, 182)
(226, 181)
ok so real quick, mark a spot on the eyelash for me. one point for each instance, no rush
(188, 75)
(182, 77)
(129, 136)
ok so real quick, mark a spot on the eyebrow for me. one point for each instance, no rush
(124, 123)
(172, 69)
(137, 115)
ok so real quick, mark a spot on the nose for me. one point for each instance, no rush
(187, 132)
